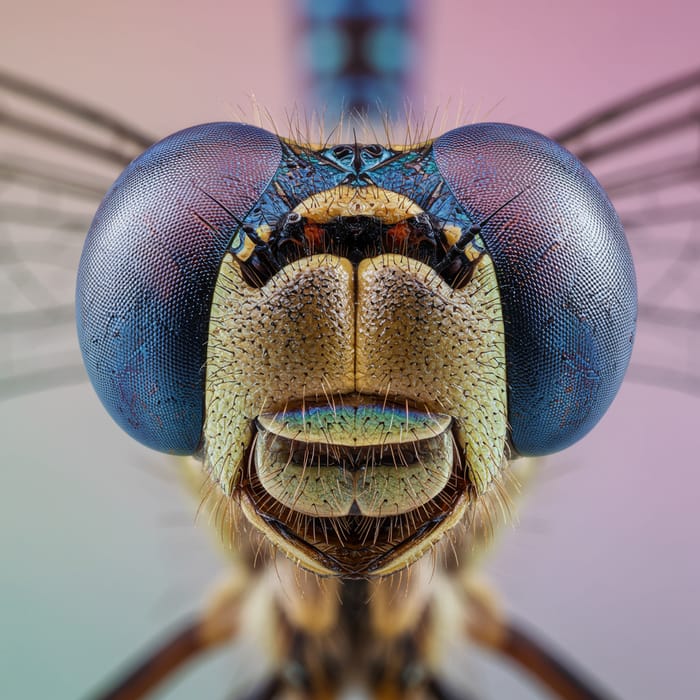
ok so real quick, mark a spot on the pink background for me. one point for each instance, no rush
(98, 549)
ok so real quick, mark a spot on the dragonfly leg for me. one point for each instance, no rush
(218, 624)
(489, 628)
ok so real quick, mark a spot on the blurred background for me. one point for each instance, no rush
(100, 551)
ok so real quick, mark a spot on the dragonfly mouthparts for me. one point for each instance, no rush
(372, 460)
(357, 487)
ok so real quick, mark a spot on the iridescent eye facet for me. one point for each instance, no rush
(148, 272)
(564, 271)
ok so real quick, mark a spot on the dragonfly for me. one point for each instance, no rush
(670, 92)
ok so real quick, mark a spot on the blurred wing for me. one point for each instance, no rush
(57, 159)
(645, 150)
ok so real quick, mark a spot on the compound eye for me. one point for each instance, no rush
(148, 271)
(565, 275)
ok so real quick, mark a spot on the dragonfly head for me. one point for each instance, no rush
(356, 339)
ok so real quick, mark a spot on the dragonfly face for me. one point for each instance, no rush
(356, 338)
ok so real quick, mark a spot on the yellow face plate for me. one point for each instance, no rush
(356, 347)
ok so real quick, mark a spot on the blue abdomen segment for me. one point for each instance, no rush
(148, 271)
(359, 55)
(565, 275)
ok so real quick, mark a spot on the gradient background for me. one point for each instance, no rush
(98, 549)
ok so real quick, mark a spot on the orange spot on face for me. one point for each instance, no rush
(400, 232)
(314, 234)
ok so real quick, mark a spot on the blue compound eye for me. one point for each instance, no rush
(565, 275)
(148, 271)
